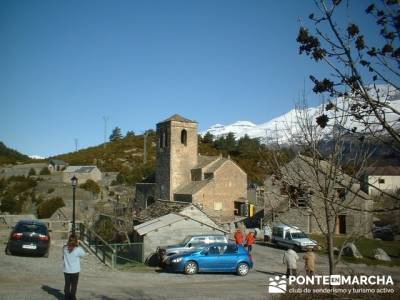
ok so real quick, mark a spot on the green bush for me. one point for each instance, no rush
(47, 208)
(32, 172)
(44, 171)
(90, 186)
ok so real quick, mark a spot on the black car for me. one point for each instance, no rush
(29, 237)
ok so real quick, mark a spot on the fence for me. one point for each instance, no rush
(113, 255)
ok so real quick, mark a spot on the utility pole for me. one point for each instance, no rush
(105, 119)
(145, 147)
(76, 144)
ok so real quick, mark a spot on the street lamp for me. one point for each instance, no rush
(74, 182)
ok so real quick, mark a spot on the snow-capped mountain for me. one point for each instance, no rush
(291, 125)
(36, 157)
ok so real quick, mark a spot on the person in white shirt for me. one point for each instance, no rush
(290, 258)
(267, 233)
(72, 253)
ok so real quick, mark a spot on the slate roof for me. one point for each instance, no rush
(192, 187)
(160, 208)
(204, 160)
(178, 118)
(214, 167)
(167, 220)
(386, 170)
(157, 223)
(79, 169)
(58, 162)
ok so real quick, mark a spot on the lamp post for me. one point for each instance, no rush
(74, 182)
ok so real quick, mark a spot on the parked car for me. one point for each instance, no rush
(217, 257)
(291, 236)
(29, 237)
(190, 243)
(385, 233)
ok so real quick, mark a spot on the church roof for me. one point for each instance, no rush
(178, 118)
(204, 160)
(192, 187)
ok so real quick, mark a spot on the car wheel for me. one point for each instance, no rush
(242, 269)
(191, 268)
(46, 254)
(8, 252)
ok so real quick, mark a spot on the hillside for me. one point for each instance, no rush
(126, 156)
(11, 156)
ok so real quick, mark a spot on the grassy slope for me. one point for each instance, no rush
(366, 247)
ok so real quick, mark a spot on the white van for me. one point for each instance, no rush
(291, 236)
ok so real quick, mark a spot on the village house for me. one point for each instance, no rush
(294, 196)
(214, 183)
(56, 165)
(169, 222)
(376, 180)
(83, 173)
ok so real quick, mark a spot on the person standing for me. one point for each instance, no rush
(309, 260)
(290, 258)
(72, 253)
(238, 237)
(267, 233)
(250, 238)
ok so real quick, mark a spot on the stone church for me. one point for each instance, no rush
(215, 184)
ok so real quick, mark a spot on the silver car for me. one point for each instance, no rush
(190, 243)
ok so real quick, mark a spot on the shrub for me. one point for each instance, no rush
(90, 186)
(50, 190)
(32, 172)
(47, 208)
(44, 171)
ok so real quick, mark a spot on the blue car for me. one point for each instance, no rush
(218, 257)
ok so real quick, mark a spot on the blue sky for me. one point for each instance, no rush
(66, 64)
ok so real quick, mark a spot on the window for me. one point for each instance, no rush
(214, 250)
(231, 249)
(381, 180)
(341, 194)
(277, 231)
(184, 137)
(217, 205)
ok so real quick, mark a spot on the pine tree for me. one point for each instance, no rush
(116, 134)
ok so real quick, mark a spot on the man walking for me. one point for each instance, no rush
(309, 259)
(290, 258)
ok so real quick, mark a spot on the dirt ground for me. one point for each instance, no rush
(24, 277)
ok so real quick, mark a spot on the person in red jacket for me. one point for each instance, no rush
(250, 239)
(239, 237)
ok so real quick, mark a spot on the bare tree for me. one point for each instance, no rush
(314, 187)
(363, 72)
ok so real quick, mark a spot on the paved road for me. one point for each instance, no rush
(42, 278)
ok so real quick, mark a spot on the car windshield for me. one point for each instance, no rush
(186, 240)
(31, 228)
(298, 235)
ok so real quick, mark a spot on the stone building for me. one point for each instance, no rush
(378, 179)
(216, 184)
(294, 196)
(169, 222)
(83, 173)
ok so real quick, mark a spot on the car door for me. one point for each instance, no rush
(229, 257)
(210, 259)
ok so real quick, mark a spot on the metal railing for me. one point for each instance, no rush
(112, 255)
(103, 251)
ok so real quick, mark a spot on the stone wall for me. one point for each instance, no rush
(218, 196)
(145, 192)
